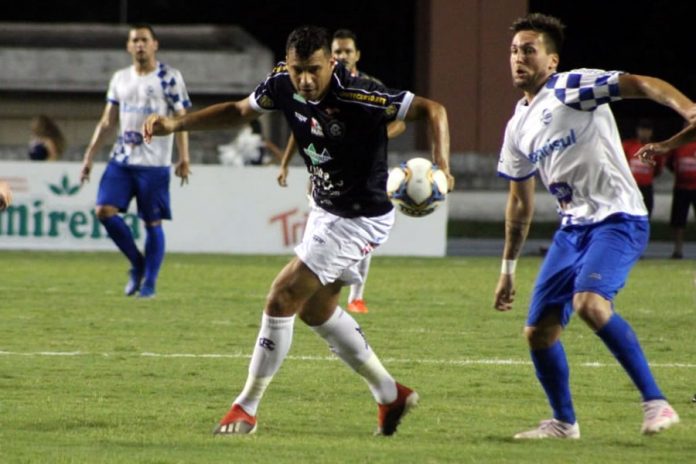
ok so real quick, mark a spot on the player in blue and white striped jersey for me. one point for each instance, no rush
(564, 131)
(340, 126)
(136, 169)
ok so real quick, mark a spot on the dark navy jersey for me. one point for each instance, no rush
(342, 138)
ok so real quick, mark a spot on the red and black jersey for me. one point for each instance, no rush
(342, 138)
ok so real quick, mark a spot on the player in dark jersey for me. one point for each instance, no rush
(344, 49)
(341, 129)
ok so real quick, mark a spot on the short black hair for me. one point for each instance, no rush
(347, 34)
(306, 40)
(550, 26)
(143, 26)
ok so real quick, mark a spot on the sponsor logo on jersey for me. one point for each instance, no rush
(551, 146)
(362, 97)
(563, 193)
(300, 117)
(317, 158)
(265, 102)
(126, 108)
(316, 129)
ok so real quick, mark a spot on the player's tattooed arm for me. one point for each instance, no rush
(518, 216)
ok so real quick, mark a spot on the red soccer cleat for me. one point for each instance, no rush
(357, 306)
(389, 415)
(236, 422)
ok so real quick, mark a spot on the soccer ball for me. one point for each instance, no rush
(417, 187)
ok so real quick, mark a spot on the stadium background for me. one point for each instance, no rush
(454, 51)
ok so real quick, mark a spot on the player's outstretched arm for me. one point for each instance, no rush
(518, 217)
(219, 116)
(647, 153)
(436, 116)
(182, 169)
(653, 88)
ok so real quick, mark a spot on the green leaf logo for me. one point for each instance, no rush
(64, 187)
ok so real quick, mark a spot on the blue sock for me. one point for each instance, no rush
(552, 371)
(154, 254)
(621, 340)
(121, 234)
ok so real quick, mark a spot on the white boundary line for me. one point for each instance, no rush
(448, 362)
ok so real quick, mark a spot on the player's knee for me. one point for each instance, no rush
(541, 337)
(105, 211)
(279, 302)
(592, 308)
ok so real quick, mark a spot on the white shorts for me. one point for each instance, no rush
(333, 246)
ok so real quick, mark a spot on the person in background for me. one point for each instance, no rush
(680, 154)
(643, 173)
(5, 195)
(137, 169)
(47, 142)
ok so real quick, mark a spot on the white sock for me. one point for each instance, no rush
(356, 290)
(346, 340)
(272, 345)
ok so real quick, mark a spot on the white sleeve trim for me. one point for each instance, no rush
(405, 105)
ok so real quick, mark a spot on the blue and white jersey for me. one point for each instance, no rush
(161, 92)
(569, 136)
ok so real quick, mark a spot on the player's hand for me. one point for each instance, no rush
(283, 176)
(5, 195)
(691, 114)
(157, 125)
(450, 181)
(505, 292)
(85, 172)
(647, 153)
(183, 170)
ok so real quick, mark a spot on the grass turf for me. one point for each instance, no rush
(88, 375)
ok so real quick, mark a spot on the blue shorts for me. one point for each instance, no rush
(594, 258)
(149, 185)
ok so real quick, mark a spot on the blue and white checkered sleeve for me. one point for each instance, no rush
(174, 88)
(586, 89)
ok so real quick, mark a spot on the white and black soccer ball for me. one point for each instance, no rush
(417, 187)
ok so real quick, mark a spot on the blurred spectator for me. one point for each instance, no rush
(682, 162)
(249, 148)
(47, 142)
(5, 195)
(643, 173)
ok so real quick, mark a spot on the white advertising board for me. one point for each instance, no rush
(222, 210)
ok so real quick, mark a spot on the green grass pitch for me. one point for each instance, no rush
(90, 376)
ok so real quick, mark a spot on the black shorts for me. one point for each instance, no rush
(681, 200)
(648, 197)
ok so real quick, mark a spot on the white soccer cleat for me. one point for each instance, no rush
(551, 428)
(658, 415)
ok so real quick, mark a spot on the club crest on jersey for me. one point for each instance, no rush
(546, 117)
(315, 128)
(336, 129)
(317, 158)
